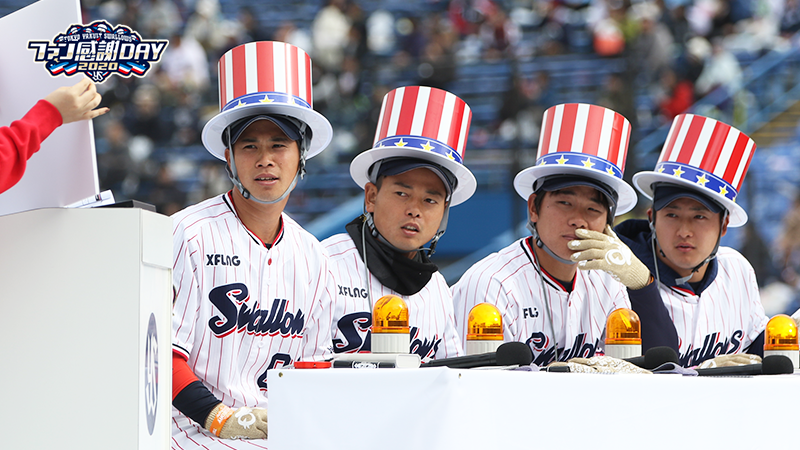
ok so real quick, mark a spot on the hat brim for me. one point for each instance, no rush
(466, 180)
(644, 183)
(321, 129)
(523, 183)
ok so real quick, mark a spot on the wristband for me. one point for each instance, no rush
(220, 417)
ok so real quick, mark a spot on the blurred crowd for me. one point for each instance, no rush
(675, 51)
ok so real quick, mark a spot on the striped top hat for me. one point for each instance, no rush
(424, 123)
(265, 78)
(705, 155)
(583, 140)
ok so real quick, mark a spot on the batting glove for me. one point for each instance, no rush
(243, 423)
(600, 364)
(740, 359)
(606, 252)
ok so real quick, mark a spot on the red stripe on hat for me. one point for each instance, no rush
(455, 125)
(238, 61)
(692, 136)
(715, 145)
(676, 129)
(547, 135)
(223, 100)
(406, 118)
(567, 127)
(433, 117)
(617, 127)
(387, 115)
(594, 125)
(309, 92)
(746, 164)
(291, 71)
(266, 67)
(736, 159)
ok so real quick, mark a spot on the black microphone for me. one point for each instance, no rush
(770, 365)
(654, 357)
(507, 354)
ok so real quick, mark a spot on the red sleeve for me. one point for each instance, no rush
(20, 140)
(182, 375)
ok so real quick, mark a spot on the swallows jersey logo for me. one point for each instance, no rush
(231, 301)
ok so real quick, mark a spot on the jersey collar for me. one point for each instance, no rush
(228, 198)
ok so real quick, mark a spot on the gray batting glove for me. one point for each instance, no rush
(606, 252)
(243, 423)
(739, 359)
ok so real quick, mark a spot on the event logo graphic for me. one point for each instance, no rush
(99, 50)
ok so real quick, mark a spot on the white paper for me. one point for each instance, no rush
(64, 170)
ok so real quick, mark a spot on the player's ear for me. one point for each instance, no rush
(724, 228)
(228, 156)
(532, 213)
(370, 194)
(650, 215)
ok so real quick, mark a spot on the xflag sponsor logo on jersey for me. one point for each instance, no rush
(222, 260)
(98, 50)
(235, 315)
(712, 347)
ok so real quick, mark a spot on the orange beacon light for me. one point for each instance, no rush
(484, 329)
(623, 334)
(780, 338)
(390, 331)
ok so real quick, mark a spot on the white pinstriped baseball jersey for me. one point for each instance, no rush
(242, 309)
(509, 280)
(724, 319)
(433, 333)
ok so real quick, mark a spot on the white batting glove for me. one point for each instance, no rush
(243, 423)
(600, 364)
(739, 359)
(606, 252)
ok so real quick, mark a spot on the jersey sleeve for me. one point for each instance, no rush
(317, 344)
(657, 327)
(186, 301)
(20, 140)
(475, 288)
(758, 318)
(451, 341)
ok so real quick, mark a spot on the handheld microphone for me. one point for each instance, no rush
(770, 365)
(507, 354)
(654, 357)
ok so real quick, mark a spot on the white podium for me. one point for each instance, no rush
(86, 301)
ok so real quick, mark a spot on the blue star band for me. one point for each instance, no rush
(278, 98)
(689, 173)
(419, 143)
(576, 159)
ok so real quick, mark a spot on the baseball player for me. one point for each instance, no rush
(575, 186)
(411, 177)
(710, 292)
(253, 290)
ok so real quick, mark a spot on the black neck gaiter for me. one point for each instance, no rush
(394, 270)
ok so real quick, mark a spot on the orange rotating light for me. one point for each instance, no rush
(623, 334)
(781, 334)
(390, 315)
(623, 328)
(780, 338)
(484, 323)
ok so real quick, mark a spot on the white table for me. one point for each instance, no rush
(441, 408)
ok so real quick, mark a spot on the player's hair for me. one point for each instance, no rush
(537, 203)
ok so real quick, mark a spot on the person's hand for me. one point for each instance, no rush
(606, 252)
(243, 423)
(77, 102)
(739, 359)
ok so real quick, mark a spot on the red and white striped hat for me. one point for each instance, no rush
(705, 155)
(265, 78)
(424, 123)
(584, 140)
